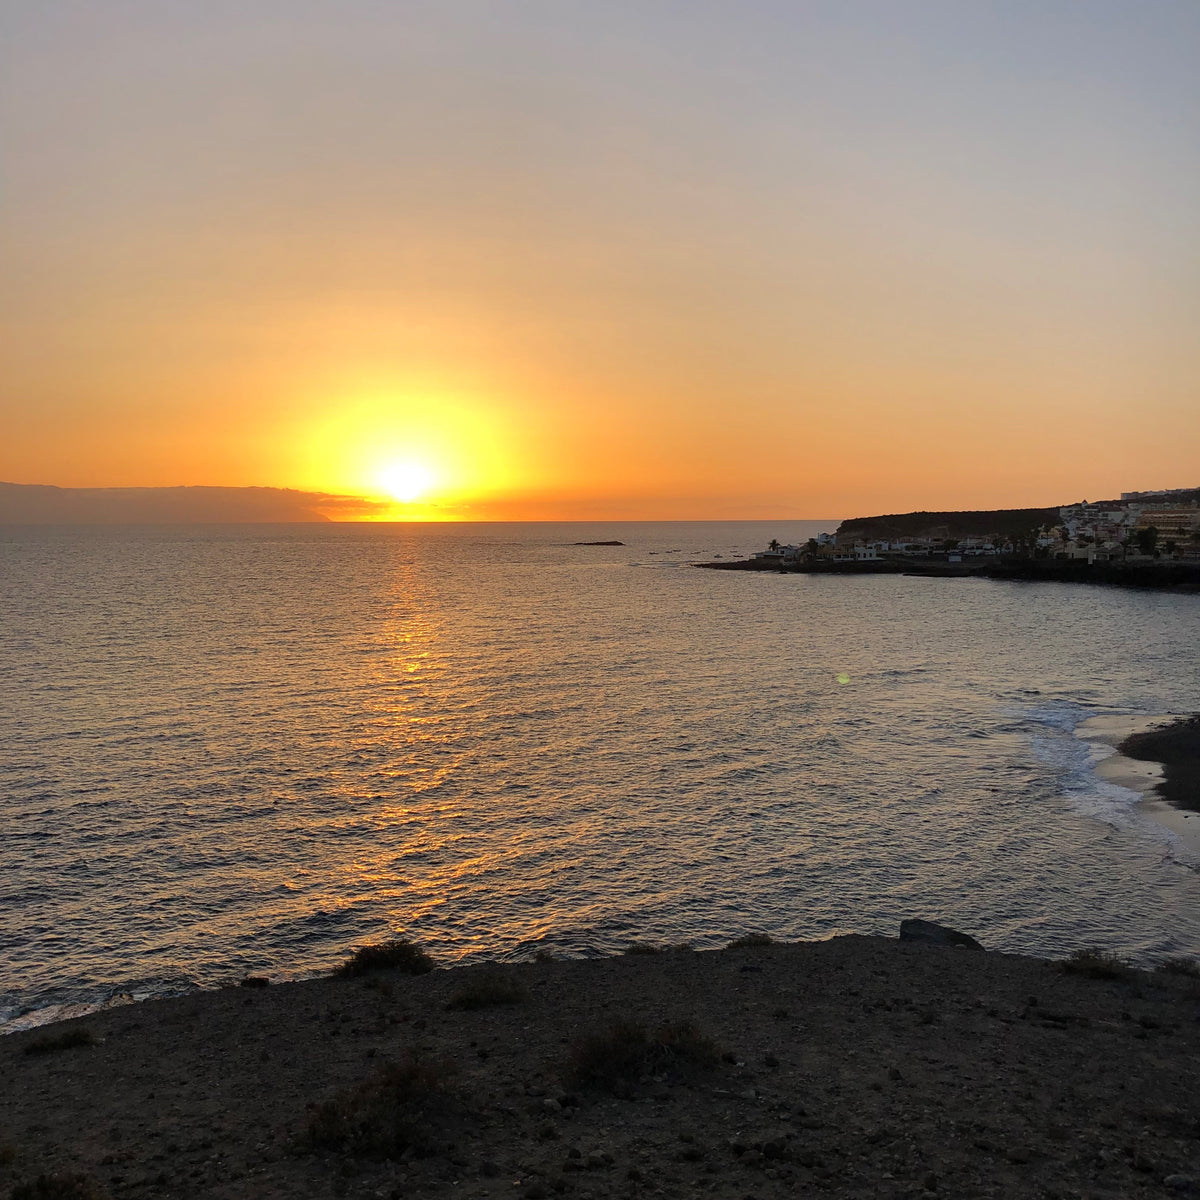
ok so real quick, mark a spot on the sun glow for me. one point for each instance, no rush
(406, 481)
(411, 453)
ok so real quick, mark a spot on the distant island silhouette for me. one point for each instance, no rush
(43, 504)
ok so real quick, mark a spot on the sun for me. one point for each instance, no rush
(405, 481)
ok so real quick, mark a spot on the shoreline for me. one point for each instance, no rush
(857, 1066)
(1178, 577)
(1143, 776)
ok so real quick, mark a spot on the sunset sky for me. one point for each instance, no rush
(568, 260)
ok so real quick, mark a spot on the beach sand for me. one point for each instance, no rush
(864, 1067)
(1139, 775)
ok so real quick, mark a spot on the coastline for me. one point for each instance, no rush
(1140, 775)
(1179, 577)
(858, 1066)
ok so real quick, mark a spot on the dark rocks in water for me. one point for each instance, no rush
(1177, 747)
(597, 543)
(913, 930)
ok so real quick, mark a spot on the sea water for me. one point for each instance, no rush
(232, 750)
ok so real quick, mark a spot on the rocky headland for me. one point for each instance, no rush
(1177, 747)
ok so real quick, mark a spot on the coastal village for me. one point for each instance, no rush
(1139, 527)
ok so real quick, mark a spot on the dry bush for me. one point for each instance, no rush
(399, 954)
(399, 1109)
(641, 948)
(1180, 966)
(751, 939)
(620, 1055)
(1096, 964)
(67, 1040)
(487, 990)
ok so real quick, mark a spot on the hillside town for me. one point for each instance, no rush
(1141, 526)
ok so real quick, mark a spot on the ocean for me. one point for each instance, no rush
(247, 749)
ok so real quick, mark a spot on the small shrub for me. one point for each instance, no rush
(619, 1056)
(67, 1040)
(1180, 966)
(399, 954)
(680, 1043)
(751, 939)
(640, 948)
(395, 1111)
(255, 981)
(1096, 964)
(488, 990)
(60, 1187)
(543, 956)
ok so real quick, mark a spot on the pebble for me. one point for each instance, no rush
(1182, 1183)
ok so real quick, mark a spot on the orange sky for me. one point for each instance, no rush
(566, 260)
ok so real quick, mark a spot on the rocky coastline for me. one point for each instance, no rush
(1158, 576)
(1177, 747)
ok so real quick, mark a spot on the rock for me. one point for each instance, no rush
(1182, 1183)
(914, 930)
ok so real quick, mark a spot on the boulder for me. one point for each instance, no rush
(913, 930)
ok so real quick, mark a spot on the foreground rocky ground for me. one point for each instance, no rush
(854, 1067)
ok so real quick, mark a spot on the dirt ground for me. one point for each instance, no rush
(853, 1067)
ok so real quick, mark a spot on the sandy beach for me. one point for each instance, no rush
(1139, 775)
(853, 1067)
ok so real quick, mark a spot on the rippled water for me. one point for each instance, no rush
(238, 749)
